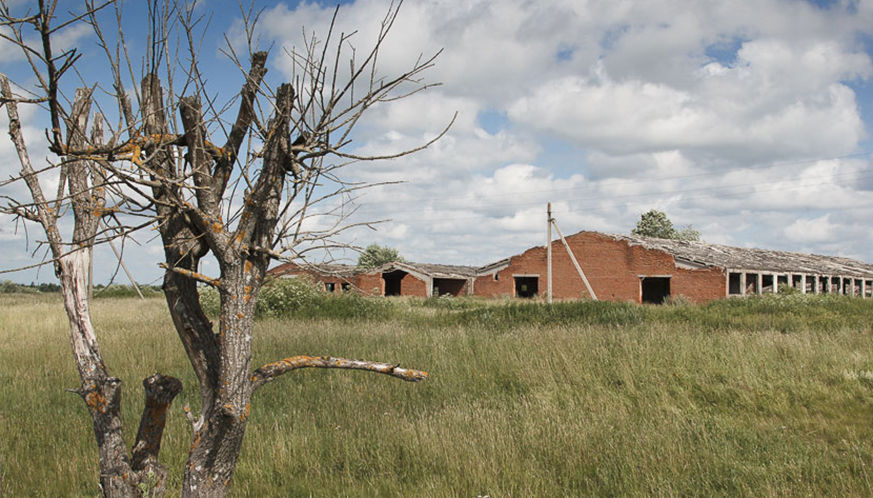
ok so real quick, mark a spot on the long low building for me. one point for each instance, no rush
(616, 267)
(392, 279)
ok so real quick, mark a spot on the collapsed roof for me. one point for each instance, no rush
(743, 258)
(431, 270)
(684, 252)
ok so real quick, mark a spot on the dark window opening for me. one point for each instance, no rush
(752, 283)
(782, 281)
(734, 286)
(448, 286)
(346, 287)
(526, 286)
(329, 286)
(766, 283)
(392, 282)
(655, 289)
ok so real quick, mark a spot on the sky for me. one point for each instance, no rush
(748, 119)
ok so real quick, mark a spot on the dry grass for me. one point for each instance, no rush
(665, 404)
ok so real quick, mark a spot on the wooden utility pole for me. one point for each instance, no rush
(549, 252)
(572, 258)
(123, 267)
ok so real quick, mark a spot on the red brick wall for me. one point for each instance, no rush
(292, 269)
(451, 286)
(371, 284)
(612, 267)
(411, 286)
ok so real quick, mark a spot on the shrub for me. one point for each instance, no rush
(287, 296)
(301, 297)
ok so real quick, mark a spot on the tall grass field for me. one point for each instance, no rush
(766, 397)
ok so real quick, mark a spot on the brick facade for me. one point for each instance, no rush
(371, 284)
(617, 269)
(326, 281)
(613, 267)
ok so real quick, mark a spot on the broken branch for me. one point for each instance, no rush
(270, 371)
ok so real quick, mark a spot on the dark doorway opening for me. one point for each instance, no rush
(526, 286)
(392, 282)
(655, 289)
(448, 286)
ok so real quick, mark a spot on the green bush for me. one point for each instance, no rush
(209, 301)
(287, 297)
(300, 297)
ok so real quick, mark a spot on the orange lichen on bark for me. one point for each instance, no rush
(192, 274)
(196, 442)
(245, 414)
(96, 401)
(217, 227)
(415, 374)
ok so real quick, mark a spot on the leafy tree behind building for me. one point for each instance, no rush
(375, 256)
(655, 223)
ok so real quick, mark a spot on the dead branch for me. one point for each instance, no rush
(270, 371)
(160, 391)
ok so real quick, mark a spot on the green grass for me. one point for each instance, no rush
(758, 397)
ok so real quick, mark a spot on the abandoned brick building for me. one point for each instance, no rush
(392, 279)
(616, 267)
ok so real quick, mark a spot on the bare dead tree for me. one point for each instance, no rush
(161, 166)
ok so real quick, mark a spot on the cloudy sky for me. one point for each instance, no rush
(748, 119)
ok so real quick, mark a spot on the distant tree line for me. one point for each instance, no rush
(10, 287)
(100, 290)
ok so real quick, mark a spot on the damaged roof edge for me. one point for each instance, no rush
(687, 254)
(752, 259)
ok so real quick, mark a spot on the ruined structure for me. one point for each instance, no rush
(618, 268)
(392, 279)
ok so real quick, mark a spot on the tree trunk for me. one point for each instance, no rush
(217, 442)
(102, 393)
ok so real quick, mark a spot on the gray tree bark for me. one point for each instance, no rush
(183, 177)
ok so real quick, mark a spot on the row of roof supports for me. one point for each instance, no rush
(829, 284)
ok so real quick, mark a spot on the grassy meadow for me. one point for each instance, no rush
(758, 397)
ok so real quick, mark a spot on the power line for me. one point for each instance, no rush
(847, 177)
(632, 204)
(591, 186)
